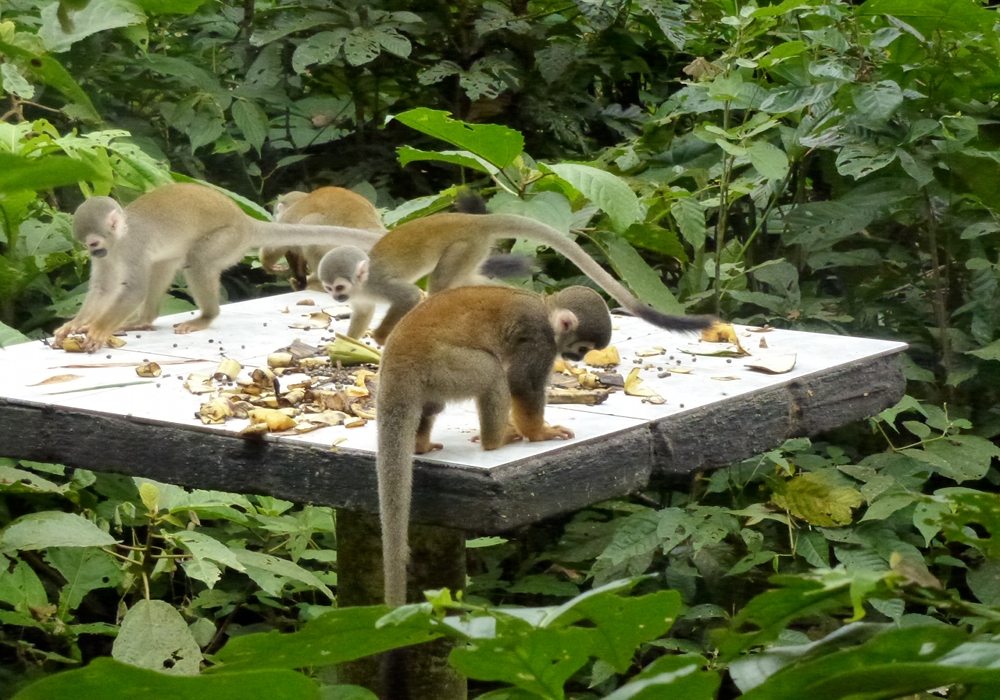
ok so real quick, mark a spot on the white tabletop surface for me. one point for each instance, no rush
(248, 331)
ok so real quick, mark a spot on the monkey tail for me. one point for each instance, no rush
(470, 202)
(266, 233)
(511, 226)
(398, 420)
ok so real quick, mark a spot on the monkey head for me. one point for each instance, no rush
(282, 203)
(343, 272)
(97, 224)
(580, 320)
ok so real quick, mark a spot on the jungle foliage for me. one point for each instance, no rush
(811, 164)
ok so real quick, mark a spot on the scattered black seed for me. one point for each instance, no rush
(694, 359)
(661, 375)
(681, 405)
(265, 324)
(157, 385)
(671, 357)
(175, 345)
(678, 361)
(729, 361)
(243, 347)
(137, 335)
(108, 356)
(211, 340)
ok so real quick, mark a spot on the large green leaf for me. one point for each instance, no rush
(60, 32)
(339, 635)
(408, 154)
(538, 660)
(85, 569)
(52, 529)
(644, 281)
(169, 7)
(106, 679)
(929, 16)
(154, 635)
(606, 190)
(20, 173)
(497, 144)
(9, 336)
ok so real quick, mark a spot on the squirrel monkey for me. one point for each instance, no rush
(135, 252)
(450, 248)
(495, 344)
(327, 206)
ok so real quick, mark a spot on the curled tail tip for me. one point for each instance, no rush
(681, 324)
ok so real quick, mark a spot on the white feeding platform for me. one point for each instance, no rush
(714, 411)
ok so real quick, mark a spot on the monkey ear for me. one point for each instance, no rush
(563, 321)
(361, 272)
(116, 223)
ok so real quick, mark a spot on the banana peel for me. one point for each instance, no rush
(348, 351)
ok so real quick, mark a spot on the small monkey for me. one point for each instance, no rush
(495, 344)
(327, 206)
(135, 252)
(450, 248)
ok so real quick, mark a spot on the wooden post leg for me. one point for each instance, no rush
(437, 560)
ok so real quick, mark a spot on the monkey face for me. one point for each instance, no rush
(339, 288)
(96, 246)
(573, 348)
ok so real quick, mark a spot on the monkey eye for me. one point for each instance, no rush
(339, 288)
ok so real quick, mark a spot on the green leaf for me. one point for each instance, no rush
(21, 587)
(538, 660)
(990, 352)
(877, 101)
(408, 154)
(958, 457)
(267, 571)
(496, 144)
(252, 121)
(155, 636)
(544, 584)
(644, 281)
(169, 7)
(106, 679)
(929, 16)
(45, 69)
(9, 336)
(690, 217)
(815, 498)
(14, 82)
(97, 16)
(685, 682)
(20, 173)
(339, 635)
(769, 160)
(604, 189)
(85, 570)
(657, 239)
(861, 158)
(52, 529)
(623, 623)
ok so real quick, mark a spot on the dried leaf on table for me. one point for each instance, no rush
(216, 410)
(301, 350)
(778, 364)
(305, 302)
(719, 332)
(317, 320)
(57, 379)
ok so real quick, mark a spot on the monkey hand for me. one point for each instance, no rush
(64, 331)
(138, 327)
(96, 339)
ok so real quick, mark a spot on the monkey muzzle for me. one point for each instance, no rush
(98, 252)
(341, 297)
(573, 356)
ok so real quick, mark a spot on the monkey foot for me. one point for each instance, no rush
(427, 446)
(552, 432)
(199, 324)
